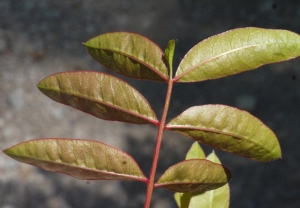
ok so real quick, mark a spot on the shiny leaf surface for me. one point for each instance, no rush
(129, 54)
(194, 175)
(228, 129)
(100, 95)
(236, 51)
(82, 159)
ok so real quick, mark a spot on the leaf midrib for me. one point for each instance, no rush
(143, 178)
(213, 58)
(226, 53)
(107, 104)
(137, 60)
(172, 127)
(182, 183)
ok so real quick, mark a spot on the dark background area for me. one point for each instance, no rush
(38, 38)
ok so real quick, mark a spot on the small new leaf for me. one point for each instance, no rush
(129, 54)
(100, 95)
(82, 159)
(228, 129)
(217, 198)
(236, 51)
(196, 175)
(183, 199)
(195, 152)
(169, 52)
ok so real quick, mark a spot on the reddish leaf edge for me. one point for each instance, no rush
(151, 121)
(142, 179)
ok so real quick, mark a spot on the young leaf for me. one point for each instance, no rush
(169, 52)
(82, 159)
(195, 152)
(100, 95)
(129, 54)
(183, 199)
(236, 51)
(194, 175)
(228, 129)
(215, 198)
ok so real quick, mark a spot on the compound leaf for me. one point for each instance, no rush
(129, 54)
(236, 51)
(100, 95)
(82, 159)
(228, 129)
(195, 175)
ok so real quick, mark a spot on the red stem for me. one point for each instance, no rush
(161, 128)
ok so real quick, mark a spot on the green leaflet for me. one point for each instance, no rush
(82, 159)
(129, 54)
(236, 51)
(217, 198)
(195, 175)
(100, 95)
(228, 129)
(183, 199)
(169, 52)
(195, 152)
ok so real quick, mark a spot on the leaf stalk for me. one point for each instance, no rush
(161, 128)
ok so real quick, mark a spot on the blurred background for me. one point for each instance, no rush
(41, 37)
